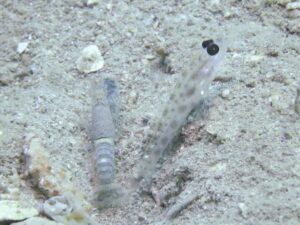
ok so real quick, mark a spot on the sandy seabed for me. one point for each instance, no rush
(243, 156)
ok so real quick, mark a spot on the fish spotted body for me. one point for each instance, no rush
(188, 92)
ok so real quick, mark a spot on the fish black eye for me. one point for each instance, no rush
(212, 49)
(207, 43)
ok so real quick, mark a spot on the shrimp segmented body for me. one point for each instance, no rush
(103, 134)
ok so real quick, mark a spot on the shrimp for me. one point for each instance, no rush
(103, 134)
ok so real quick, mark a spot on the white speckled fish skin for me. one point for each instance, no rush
(190, 89)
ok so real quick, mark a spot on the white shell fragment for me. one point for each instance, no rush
(92, 2)
(67, 209)
(90, 60)
(56, 206)
(22, 46)
(293, 5)
(15, 210)
(37, 221)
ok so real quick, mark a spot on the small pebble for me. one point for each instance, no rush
(22, 46)
(256, 58)
(243, 210)
(229, 14)
(108, 6)
(225, 93)
(91, 2)
(150, 57)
